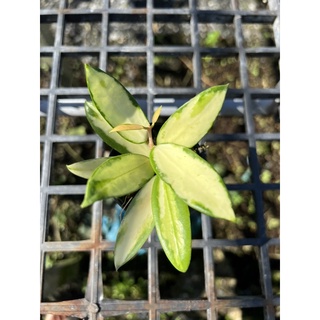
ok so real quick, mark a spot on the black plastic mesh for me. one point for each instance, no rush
(164, 52)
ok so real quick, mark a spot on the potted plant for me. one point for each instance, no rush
(165, 175)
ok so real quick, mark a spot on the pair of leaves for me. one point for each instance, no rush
(168, 177)
(156, 204)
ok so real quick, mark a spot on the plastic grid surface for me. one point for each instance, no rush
(242, 100)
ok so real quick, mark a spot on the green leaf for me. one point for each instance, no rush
(114, 140)
(85, 168)
(118, 176)
(135, 227)
(193, 179)
(115, 103)
(193, 120)
(172, 220)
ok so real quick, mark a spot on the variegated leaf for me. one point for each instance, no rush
(115, 103)
(193, 179)
(135, 227)
(101, 126)
(118, 176)
(192, 121)
(172, 220)
(85, 168)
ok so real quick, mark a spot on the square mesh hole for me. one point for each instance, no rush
(122, 33)
(171, 32)
(216, 35)
(129, 316)
(230, 160)
(184, 315)
(45, 71)
(277, 312)
(240, 314)
(131, 71)
(236, 272)
(51, 317)
(263, 72)
(220, 70)
(170, 4)
(71, 119)
(272, 212)
(228, 125)
(66, 220)
(47, 34)
(173, 71)
(65, 276)
(85, 4)
(41, 159)
(86, 34)
(112, 216)
(266, 114)
(267, 123)
(274, 256)
(52, 4)
(65, 154)
(253, 5)
(269, 159)
(72, 73)
(126, 4)
(177, 285)
(258, 35)
(214, 4)
(130, 282)
(245, 225)
(43, 124)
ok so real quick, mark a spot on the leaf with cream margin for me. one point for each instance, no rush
(114, 140)
(193, 179)
(135, 227)
(117, 176)
(172, 220)
(85, 168)
(116, 105)
(193, 120)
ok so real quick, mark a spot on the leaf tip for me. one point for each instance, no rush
(117, 267)
(85, 203)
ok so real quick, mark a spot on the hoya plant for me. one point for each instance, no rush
(164, 173)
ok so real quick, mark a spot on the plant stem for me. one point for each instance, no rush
(150, 139)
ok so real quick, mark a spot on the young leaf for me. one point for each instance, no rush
(192, 121)
(115, 103)
(114, 140)
(135, 227)
(117, 176)
(172, 220)
(124, 127)
(192, 179)
(85, 168)
(156, 116)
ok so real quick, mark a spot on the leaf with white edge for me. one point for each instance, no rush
(135, 227)
(172, 220)
(188, 125)
(114, 140)
(193, 179)
(85, 168)
(115, 103)
(118, 176)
